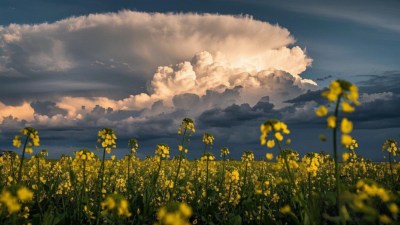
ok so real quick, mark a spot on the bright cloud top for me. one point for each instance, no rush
(107, 59)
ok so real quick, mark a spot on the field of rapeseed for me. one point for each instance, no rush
(284, 188)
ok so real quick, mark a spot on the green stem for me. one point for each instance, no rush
(291, 179)
(128, 176)
(38, 186)
(22, 159)
(206, 178)
(180, 161)
(335, 156)
(244, 180)
(83, 191)
(153, 186)
(391, 168)
(223, 175)
(101, 187)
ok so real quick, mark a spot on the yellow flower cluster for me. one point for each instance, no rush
(263, 188)
(368, 196)
(232, 191)
(342, 88)
(248, 156)
(84, 155)
(208, 156)
(224, 152)
(285, 209)
(133, 145)
(312, 161)
(107, 139)
(353, 145)
(208, 139)
(348, 93)
(291, 156)
(33, 139)
(162, 151)
(278, 128)
(234, 176)
(181, 148)
(115, 204)
(187, 125)
(390, 145)
(174, 213)
(372, 190)
(12, 202)
(16, 141)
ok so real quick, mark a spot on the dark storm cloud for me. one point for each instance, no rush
(379, 96)
(378, 114)
(47, 108)
(309, 96)
(11, 125)
(386, 82)
(324, 78)
(237, 114)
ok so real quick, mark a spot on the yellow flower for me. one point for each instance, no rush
(353, 94)
(271, 143)
(269, 156)
(347, 108)
(278, 136)
(24, 194)
(10, 202)
(335, 87)
(109, 203)
(321, 111)
(345, 156)
(123, 208)
(185, 210)
(115, 203)
(107, 138)
(385, 219)
(322, 137)
(331, 120)
(285, 209)
(277, 126)
(235, 176)
(346, 139)
(224, 151)
(346, 126)
(393, 208)
(17, 141)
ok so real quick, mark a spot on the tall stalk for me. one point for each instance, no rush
(22, 159)
(180, 159)
(223, 174)
(391, 168)
(100, 191)
(153, 186)
(335, 156)
(128, 177)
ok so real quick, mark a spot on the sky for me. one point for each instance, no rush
(70, 68)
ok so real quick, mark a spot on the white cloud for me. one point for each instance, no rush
(144, 40)
(204, 73)
(119, 52)
(22, 112)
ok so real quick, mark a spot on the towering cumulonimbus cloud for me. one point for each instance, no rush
(132, 60)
